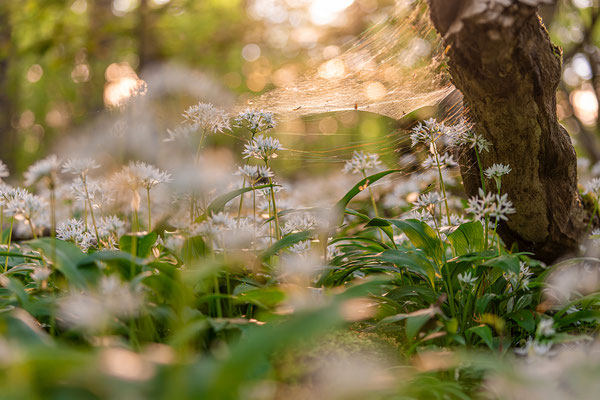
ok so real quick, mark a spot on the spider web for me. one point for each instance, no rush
(392, 69)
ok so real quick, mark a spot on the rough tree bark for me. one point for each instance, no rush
(502, 60)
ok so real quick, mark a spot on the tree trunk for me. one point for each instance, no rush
(502, 60)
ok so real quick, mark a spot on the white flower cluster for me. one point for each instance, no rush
(427, 132)
(299, 223)
(427, 199)
(593, 186)
(147, 175)
(45, 169)
(262, 148)
(254, 174)
(462, 134)
(73, 230)
(467, 278)
(79, 166)
(255, 120)
(490, 205)
(4, 173)
(207, 118)
(497, 171)
(361, 162)
(444, 161)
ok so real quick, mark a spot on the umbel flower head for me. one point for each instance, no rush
(496, 172)
(361, 162)
(3, 171)
(428, 132)
(45, 169)
(207, 118)
(255, 120)
(262, 147)
(427, 199)
(462, 134)
(255, 174)
(148, 175)
(490, 205)
(79, 166)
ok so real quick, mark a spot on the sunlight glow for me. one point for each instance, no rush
(323, 12)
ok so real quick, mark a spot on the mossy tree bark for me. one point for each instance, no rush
(502, 60)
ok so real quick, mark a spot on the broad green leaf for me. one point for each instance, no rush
(67, 254)
(422, 236)
(485, 333)
(467, 238)
(384, 225)
(415, 323)
(340, 206)
(505, 263)
(143, 243)
(412, 261)
(524, 318)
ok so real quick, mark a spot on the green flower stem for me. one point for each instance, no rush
(2, 224)
(87, 195)
(442, 185)
(12, 220)
(480, 171)
(149, 211)
(272, 190)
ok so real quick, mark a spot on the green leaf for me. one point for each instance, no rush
(412, 261)
(285, 242)
(143, 243)
(422, 236)
(340, 206)
(384, 225)
(218, 204)
(505, 264)
(467, 238)
(415, 323)
(485, 333)
(524, 318)
(68, 256)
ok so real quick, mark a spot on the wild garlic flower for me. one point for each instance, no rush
(299, 224)
(360, 162)
(255, 120)
(111, 225)
(148, 175)
(462, 134)
(467, 279)
(490, 205)
(40, 274)
(4, 173)
(70, 230)
(26, 207)
(445, 161)
(207, 118)
(300, 247)
(427, 199)
(593, 186)
(96, 191)
(427, 132)
(9, 193)
(545, 328)
(535, 348)
(79, 166)
(180, 132)
(46, 169)
(254, 174)
(497, 171)
(262, 148)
